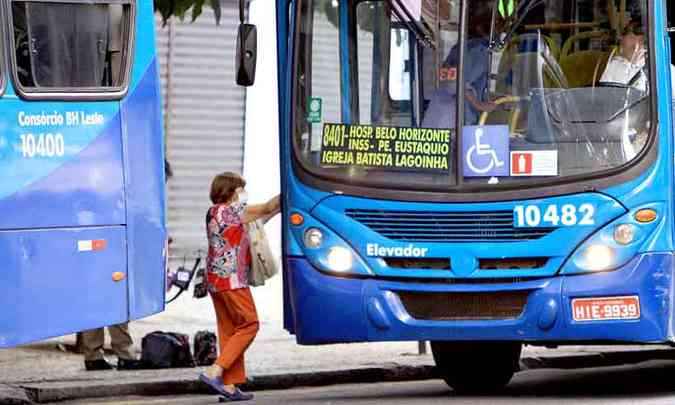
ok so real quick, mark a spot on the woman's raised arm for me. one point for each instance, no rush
(262, 211)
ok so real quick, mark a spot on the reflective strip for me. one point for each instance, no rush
(90, 245)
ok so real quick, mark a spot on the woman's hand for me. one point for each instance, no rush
(262, 211)
(483, 106)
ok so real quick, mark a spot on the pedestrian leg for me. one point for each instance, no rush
(121, 341)
(225, 331)
(223, 321)
(92, 344)
(242, 311)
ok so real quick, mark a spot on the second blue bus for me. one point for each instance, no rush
(82, 229)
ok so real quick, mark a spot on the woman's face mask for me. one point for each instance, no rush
(242, 196)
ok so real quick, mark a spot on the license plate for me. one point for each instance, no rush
(606, 308)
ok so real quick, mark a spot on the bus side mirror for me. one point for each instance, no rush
(247, 51)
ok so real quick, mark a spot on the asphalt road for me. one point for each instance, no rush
(647, 383)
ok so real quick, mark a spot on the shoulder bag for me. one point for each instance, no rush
(263, 263)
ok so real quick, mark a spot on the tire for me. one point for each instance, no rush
(476, 367)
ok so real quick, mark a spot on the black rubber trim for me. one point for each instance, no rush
(74, 94)
(4, 67)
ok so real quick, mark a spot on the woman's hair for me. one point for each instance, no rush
(633, 27)
(224, 185)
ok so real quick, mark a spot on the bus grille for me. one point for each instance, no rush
(430, 226)
(464, 306)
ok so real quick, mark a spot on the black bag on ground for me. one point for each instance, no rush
(166, 350)
(205, 348)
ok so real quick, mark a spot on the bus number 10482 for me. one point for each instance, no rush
(533, 216)
(42, 145)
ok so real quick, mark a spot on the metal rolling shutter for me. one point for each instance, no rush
(204, 118)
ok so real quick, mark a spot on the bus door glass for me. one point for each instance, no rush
(62, 194)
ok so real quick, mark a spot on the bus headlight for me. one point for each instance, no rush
(598, 257)
(615, 244)
(340, 259)
(325, 249)
(624, 234)
(313, 238)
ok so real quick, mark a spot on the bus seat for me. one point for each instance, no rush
(530, 61)
(582, 67)
(568, 46)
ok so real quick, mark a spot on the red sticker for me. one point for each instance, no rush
(98, 244)
(534, 163)
(521, 163)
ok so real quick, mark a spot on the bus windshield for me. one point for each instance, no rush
(549, 89)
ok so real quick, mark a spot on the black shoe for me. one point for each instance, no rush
(97, 365)
(129, 364)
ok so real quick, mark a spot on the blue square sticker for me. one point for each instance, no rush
(485, 150)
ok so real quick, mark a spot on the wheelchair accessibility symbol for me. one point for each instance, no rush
(486, 151)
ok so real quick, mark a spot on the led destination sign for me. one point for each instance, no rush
(385, 147)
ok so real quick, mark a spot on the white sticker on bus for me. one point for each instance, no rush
(534, 163)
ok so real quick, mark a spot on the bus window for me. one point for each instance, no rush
(572, 85)
(319, 86)
(385, 102)
(367, 51)
(389, 47)
(71, 47)
(402, 66)
(399, 73)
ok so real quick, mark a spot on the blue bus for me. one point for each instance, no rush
(536, 210)
(82, 230)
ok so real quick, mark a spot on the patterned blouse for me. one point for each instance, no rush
(229, 256)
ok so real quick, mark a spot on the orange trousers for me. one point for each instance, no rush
(237, 326)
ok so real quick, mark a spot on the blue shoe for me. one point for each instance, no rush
(216, 384)
(237, 395)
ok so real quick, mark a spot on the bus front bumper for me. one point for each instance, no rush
(329, 309)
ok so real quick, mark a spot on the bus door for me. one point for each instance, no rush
(670, 13)
(62, 194)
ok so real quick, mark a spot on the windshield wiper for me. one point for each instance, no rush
(405, 16)
(505, 38)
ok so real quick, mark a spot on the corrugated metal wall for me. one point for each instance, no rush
(204, 118)
(205, 109)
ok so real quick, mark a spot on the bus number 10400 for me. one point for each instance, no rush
(42, 145)
(533, 216)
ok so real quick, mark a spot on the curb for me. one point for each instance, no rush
(71, 390)
(589, 360)
(11, 395)
(42, 392)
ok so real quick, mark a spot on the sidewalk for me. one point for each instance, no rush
(274, 361)
(273, 353)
